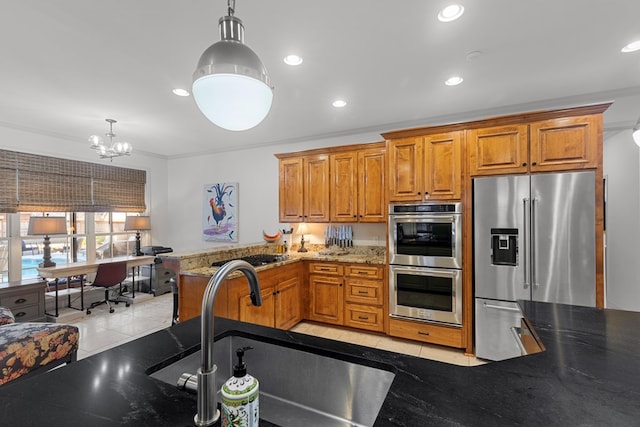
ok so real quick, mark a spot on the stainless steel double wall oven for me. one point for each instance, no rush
(425, 262)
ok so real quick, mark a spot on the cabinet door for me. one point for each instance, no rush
(291, 204)
(327, 299)
(316, 188)
(372, 190)
(287, 313)
(344, 173)
(405, 169)
(442, 166)
(498, 150)
(565, 143)
(262, 315)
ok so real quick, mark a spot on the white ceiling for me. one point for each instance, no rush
(66, 65)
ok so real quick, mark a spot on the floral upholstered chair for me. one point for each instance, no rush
(27, 348)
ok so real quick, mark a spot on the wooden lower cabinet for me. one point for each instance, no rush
(280, 289)
(349, 295)
(426, 332)
(190, 291)
(280, 305)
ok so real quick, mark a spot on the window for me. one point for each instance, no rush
(110, 240)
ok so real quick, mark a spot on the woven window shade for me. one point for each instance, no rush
(60, 185)
(118, 189)
(8, 187)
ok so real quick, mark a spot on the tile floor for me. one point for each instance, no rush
(102, 330)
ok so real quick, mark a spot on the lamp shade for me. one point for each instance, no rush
(47, 225)
(137, 223)
(231, 86)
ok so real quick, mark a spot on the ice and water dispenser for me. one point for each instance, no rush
(504, 246)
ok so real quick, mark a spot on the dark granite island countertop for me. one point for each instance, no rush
(589, 375)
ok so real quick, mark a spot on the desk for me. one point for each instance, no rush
(83, 268)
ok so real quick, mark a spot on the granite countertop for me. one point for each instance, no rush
(588, 376)
(346, 256)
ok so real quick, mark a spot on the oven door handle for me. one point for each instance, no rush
(422, 218)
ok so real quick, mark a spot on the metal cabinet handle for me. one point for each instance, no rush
(423, 333)
(499, 307)
(363, 292)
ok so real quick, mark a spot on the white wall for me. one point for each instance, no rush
(622, 170)
(256, 171)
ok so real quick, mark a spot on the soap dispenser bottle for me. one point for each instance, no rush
(240, 395)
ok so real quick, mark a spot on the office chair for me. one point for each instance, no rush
(109, 275)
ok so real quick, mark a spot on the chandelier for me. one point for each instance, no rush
(114, 149)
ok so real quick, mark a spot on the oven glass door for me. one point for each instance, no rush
(433, 241)
(426, 294)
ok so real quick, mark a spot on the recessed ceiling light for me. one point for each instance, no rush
(451, 13)
(293, 60)
(339, 103)
(454, 80)
(180, 92)
(631, 47)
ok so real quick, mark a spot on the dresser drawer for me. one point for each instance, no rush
(29, 313)
(364, 317)
(364, 270)
(16, 300)
(364, 291)
(326, 269)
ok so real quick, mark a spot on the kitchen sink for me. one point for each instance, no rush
(298, 386)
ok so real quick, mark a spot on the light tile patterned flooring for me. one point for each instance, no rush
(102, 330)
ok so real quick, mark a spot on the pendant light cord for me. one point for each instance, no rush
(231, 4)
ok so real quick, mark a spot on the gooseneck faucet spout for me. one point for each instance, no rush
(208, 412)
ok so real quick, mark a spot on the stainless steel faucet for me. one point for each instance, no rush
(208, 412)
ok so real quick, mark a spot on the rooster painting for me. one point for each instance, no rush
(220, 209)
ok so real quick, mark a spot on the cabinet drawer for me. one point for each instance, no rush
(427, 332)
(364, 270)
(364, 317)
(15, 301)
(364, 291)
(323, 268)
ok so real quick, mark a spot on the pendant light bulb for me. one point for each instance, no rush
(636, 133)
(231, 86)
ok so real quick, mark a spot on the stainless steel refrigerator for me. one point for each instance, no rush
(534, 239)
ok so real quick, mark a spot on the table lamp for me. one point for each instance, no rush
(47, 226)
(302, 229)
(137, 223)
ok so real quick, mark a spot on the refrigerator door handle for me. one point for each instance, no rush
(525, 246)
(532, 267)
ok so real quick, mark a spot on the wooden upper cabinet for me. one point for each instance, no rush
(443, 165)
(556, 144)
(291, 203)
(425, 168)
(565, 143)
(358, 186)
(405, 169)
(304, 189)
(372, 190)
(316, 188)
(498, 150)
(344, 187)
